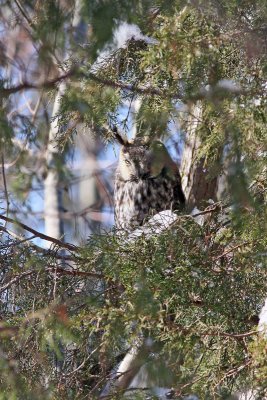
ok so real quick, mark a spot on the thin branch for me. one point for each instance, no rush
(43, 85)
(232, 249)
(74, 272)
(57, 270)
(16, 279)
(45, 252)
(5, 184)
(58, 242)
(235, 370)
(83, 363)
(153, 91)
(23, 12)
(237, 336)
(134, 359)
(143, 90)
(215, 207)
(179, 392)
(130, 88)
(232, 335)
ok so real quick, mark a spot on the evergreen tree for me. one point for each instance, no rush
(185, 301)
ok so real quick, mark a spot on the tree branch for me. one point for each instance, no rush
(5, 184)
(15, 280)
(51, 83)
(74, 272)
(58, 242)
(212, 93)
(58, 270)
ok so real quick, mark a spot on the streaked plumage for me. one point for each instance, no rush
(147, 181)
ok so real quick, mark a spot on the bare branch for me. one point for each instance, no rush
(5, 184)
(74, 272)
(43, 85)
(57, 270)
(58, 242)
(15, 280)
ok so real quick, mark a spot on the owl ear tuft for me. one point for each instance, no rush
(121, 139)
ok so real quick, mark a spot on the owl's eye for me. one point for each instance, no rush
(127, 162)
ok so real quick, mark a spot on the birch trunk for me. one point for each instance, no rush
(52, 196)
(53, 207)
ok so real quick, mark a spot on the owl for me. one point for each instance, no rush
(147, 181)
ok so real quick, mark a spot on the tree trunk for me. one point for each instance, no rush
(52, 194)
(53, 206)
(197, 185)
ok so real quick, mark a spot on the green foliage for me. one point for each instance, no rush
(112, 12)
(195, 290)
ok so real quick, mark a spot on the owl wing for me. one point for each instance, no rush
(163, 162)
(178, 194)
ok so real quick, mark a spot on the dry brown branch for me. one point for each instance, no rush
(142, 90)
(74, 272)
(5, 183)
(15, 280)
(57, 270)
(232, 249)
(236, 336)
(58, 242)
(43, 85)
(234, 371)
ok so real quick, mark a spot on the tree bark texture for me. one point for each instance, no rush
(197, 185)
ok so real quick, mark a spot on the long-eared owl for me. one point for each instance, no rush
(147, 181)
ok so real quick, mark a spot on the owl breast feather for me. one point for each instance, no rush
(136, 201)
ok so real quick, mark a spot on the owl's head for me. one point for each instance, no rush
(141, 159)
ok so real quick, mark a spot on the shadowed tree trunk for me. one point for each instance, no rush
(197, 184)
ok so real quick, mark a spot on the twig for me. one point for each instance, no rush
(134, 359)
(45, 252)
(237, 336)
(232, 249)
(232, 335)
(5, 184)
(23, 12)
(209, 209)
(74, 272)
(83, 363)
(146, 91)
(235, 370)
(130, 88)
(180, 390)
(46, 84)
(56, 270)
(58, 242)
(16, 279)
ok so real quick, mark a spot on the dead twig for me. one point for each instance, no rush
(5, 183)
(51, 83)
(58, 242)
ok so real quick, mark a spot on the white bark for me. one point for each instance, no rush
(136, 105)
(129, 369)
(52, 206)
(52, 195)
